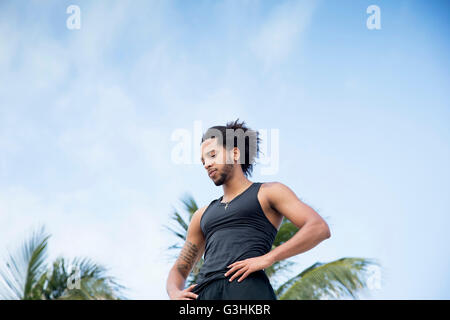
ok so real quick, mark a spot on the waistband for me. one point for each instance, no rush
(220, 275)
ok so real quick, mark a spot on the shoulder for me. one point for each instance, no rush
(274, 191)
(194, 229)
(197, 216)
(199, 212)
(274, 186)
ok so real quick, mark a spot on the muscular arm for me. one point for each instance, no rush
(192, 251)
(312, 228)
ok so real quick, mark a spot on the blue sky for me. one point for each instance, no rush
(86, 119)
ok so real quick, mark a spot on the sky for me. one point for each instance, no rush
(89, 120)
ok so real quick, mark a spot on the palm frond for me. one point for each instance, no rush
(95, 284)
(190, 205)
(26, 275)
(278, 267)
(181, 226)
(285, 232)
(337, 279)
(24, 269)
(179, 234)
(181, 221)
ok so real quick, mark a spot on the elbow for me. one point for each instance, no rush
(325, 230)
(321, 229)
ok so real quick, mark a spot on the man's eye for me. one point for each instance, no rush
(213, 155)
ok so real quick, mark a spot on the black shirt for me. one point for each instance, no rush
(235, 231)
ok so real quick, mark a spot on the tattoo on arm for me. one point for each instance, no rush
(188, 256)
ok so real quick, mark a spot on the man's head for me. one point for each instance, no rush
(228, 150)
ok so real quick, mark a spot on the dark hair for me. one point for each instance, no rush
(238, 131)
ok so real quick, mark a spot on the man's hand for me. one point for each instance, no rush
(247, 266)
(185, 294)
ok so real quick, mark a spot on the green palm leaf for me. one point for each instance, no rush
(94, 284)
(180, 228)
(26, 275)
(24, 269)
(337, 279)
(286, 231)
(190, 205)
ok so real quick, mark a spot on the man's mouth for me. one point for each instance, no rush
(212, 173)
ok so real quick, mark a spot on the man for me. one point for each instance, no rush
(236, 231)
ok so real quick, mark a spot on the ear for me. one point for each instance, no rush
(236, 154)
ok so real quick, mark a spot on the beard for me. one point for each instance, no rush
(224, 175)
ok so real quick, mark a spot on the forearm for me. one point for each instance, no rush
(175, 282)
(309, 236)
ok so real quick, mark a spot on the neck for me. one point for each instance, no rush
(235, 185)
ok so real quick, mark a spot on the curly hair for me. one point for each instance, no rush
(244, 138)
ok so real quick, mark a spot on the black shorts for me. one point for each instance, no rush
(256, 286)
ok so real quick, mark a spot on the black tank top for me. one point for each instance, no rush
(233, 232)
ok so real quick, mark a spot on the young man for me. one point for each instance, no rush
(236, 231)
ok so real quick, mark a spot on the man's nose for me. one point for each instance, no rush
(207, 165)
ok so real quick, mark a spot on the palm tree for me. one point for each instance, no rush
(26, 275)
(341, 278)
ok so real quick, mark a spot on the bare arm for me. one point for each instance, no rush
(312, 228)
(190, 254)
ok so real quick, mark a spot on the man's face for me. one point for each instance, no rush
(214, 159)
